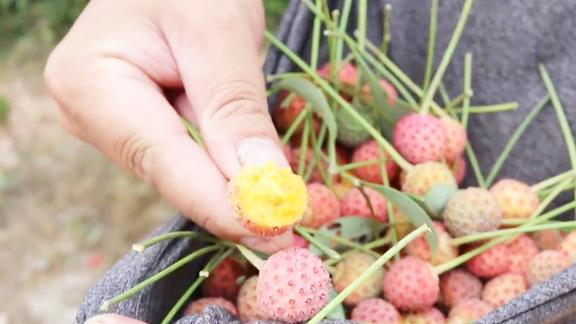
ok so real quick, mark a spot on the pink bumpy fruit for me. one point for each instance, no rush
(456, 138)
(247, 303)
(502, 289)
(468, 311)
(222, 280)
(490, 263)
(369, 151)
(323, 206)
(444, 252)
(458, 285)
(515, 198)
(429, 316)
(420, 138)
(375, 311)
(545, 265)
(520, 252)
(198, 306)
(349, 269)
(354, 203)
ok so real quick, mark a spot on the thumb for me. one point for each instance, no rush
(112, 319)
(225, 87)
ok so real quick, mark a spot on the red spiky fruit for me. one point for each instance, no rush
(515, 198)
(222, 281)
(444, 252)
(293, 285)
(468, 311)
(458, 166)
(520, 252)
(490, 263)
(503, 288)
(411, 284)
(568, 246)
(349, 269)
(295, 161)
(548, 239)
(389, 90)
(347, 73)
(545, 265)
(377, 311)
(247, 303)
(420, 138)
(456, 138)
(422, 177)
(354, 203)
(323, 206)
(287, 111)
(429, 316)
(471, 211)
(369, 151)
(198, 306)
(458, 285)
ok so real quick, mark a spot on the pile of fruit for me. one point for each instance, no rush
(385, 230)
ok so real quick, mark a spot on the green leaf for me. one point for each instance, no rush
(324, 236)
(337, 312)
(438, 197)
(412, 210)
(353, 227)
(313, 96)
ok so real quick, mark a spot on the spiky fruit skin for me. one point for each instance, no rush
(429, 316)
(459, 285)
(459, 167)
(268, 200)
(354, 204)
(548, 239)
(411, 285)
(568, 246)
(323, 206)
(422, 177)
(420, 138)
(285, 116)
(294, 163)
(342, 188)
(347, 73)
(370, 151)
(222, 280)
(246, 303)
(490, 263)
(515, 198)
(350, 132)
(470, 211)
(293, 285)
(545, 265)
(375, 311)
(456, 138)
(520, 252)
(468, 311)
(198, 306)
(503, 288)
(444, 253)
(349, 269)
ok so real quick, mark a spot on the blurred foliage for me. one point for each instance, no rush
(3, 110)
(52, 18)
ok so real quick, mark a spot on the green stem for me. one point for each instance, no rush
(475, 166)
(193, 132)
(142, 246)
(444, 95)
(467, 88)
(251, 256)
(355, 165)
(341, 240)
(429, 96)
(562, 119)
(160, 275)
(213, 263)
(553, 180)
(514, 139)
(295, 125)
(389, 207)
(315, 38)
(326, 250)
(387, 29)
(304, 144)
(342, 28)
(362, 11)
(546, 192)
(431, 44)
(458, 100)
(366, 274)
(484, 109)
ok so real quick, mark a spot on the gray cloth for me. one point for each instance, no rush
(508, 39)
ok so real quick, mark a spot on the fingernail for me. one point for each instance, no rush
(258, 151)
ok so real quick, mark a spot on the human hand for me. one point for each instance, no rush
(126, 71)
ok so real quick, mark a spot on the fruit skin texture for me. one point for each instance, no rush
(470, 211)
(420, 138)
(285, 116)
(349, 269)
(377, 311)
(268, 200)
(459, 285)
(468, 311)
(568, 246)
(421, 249)
(548, 239)
(490, 263)
(323, 206)
(293, 285)
(502, 289)
(422, 177)
(429, 316)
(515, 198)
(246, 303)
(354, 204)
(459, 166)
(411, 285)
(545, 265)
(520, 252)
(300, 242)
(369, 151)
(222, 280)
(198, 306)
(456, 138)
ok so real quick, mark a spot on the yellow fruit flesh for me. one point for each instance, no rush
(269, 197)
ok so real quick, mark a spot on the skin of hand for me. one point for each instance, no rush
(128, 69)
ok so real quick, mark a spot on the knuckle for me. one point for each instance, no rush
(236, 99)
(135, 154)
